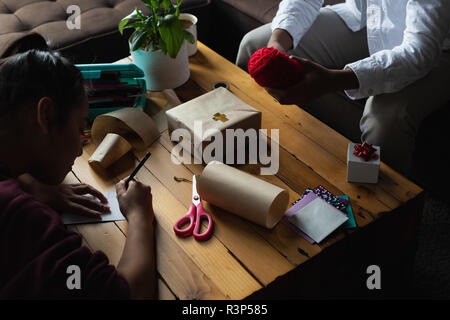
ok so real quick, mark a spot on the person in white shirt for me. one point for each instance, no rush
(393, 52)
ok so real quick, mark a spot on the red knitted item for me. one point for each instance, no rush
(274, 69)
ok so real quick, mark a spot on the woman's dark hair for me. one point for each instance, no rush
(27, 77)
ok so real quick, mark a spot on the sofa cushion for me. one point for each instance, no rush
(188, 5)
(263, 11)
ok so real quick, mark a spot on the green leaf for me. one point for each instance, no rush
(162, 46)
(140, 14)
(138, 24)
(138, 39)
(155, 4)
(172, 33)
(188, 36)
(132, 16)
(168, 19)
(177, 10)
(159, 30)
(151, 25)
(167, 4)
(155, 7)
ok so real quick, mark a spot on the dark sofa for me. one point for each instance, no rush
(23, 23)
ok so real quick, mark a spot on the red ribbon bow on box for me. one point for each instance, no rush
(365, 151)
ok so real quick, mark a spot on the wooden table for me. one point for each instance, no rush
(243, 259)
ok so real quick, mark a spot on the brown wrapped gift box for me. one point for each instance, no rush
(218, 110)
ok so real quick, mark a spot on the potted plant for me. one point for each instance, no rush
(158, 44)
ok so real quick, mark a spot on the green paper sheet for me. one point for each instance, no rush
(350, 223)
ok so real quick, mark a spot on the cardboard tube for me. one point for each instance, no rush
(111, 149)
(243, 194)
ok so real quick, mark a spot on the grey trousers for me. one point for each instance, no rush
(389, 120)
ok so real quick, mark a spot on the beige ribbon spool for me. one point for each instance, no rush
(115, 133)
(243, 194)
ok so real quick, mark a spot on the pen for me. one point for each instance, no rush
(137, 169)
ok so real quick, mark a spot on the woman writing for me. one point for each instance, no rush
(43, 108)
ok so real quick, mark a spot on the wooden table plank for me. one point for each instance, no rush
(289, 244)
(181, 273)
(164, 292)
(286, 241)
(211, 257)
(302, 177)
(241, 257)
(261, 259)
(178, 270)
(289, 172)
(401, 188)
(105, 237)
(389, 180)
(296, 249)
(307, 177)
(306, 150)
(208, 67)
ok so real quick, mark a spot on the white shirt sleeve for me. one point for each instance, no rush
(296, 17)
(427, 25)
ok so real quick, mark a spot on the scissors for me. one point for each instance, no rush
(194, 216)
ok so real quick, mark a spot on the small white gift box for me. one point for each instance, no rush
(359, 170)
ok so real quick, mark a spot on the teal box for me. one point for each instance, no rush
(107, 81)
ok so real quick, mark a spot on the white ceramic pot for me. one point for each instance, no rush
(161, 71)
(191, 47)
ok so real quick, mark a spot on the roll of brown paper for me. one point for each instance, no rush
(132, 124)
(109, 151)
(117, 132)
(243, 194)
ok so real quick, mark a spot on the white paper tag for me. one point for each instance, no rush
(318, 219)
(114, 215)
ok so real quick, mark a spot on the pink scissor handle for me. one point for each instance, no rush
(202, 214)
(189, 217)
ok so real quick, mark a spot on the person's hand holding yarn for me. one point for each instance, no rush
(316, 82)
(293, 80)
(271, 68)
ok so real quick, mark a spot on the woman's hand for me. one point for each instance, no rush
(136, 201)
(67, 198)
(138, 262)
(318, 81)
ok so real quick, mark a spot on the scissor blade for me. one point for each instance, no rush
(195, 195)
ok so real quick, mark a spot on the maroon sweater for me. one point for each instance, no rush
(36, 251)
